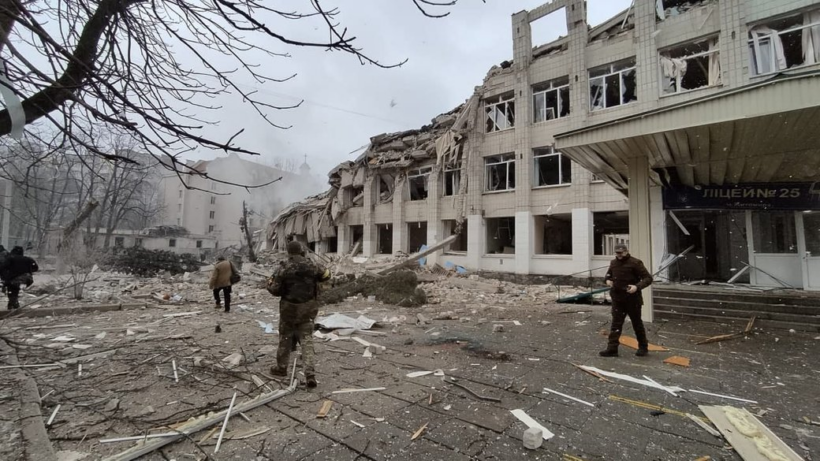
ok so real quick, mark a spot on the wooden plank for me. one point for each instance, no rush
(677, 360)
(632, 343)
(743, 445)
(325, 409)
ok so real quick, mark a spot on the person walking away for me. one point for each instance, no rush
(222, 278)
(16, 270)
(626, 277)
(297, 284)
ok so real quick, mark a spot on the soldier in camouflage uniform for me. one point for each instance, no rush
(297, 284)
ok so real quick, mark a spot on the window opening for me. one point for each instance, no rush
(355, 195)
(418, 182)
(452, 180)
(785, 43)
(199, 243)
(210, 229)
(500, 235)
(138, 243)
(119, 242)
(357, 237)
(460, 244)
(385, 235)
(213, 200)
(386, 184)
(213, 214)
(553, 234)
(690, 66)
(500, 171)
(551, 167)
(610, 229)
(172, 243)
(551, 100)
(612, 85)
(417, 236)
(500, 115)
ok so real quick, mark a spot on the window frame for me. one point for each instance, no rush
(172, 243)
(508, 114)
(609, 71)
(211, 229)
(678, 80)
(455, 173)
(753, 47)
(423, 172)
(212, 215)
(551, 152)
(551, 88)
(508, 159)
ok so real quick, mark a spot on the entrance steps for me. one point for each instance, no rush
(787, 309)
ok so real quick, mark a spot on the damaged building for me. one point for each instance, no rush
(667, 102)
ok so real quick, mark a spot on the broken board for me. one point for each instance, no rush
(631, 342)
(678, 360)
(743, 445)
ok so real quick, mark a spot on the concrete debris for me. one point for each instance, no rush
(531, 423)
(533, 438)
(498, 328)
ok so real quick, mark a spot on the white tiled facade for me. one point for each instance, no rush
(574, 205)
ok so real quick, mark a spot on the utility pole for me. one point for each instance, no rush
(243, 224)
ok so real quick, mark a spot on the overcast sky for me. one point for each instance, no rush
(347, 103)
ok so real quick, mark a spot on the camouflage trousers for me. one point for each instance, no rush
(296, 319)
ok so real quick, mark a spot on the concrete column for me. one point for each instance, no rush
(399, 223)
(640, 227)
(475, 241)
(342, 239)
(370, 236)
(582, 238)
(658, 220)
(435, 228)
(524, 231)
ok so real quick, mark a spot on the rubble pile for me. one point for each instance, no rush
(146, 263)
(397, 288)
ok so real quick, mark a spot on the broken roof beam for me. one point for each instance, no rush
(415, 257)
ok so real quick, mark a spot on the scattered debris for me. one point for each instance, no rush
(632, 343)
(419, 432)
(750, 438)
(53, 415)
(325, 409)
(646, 382)
(533, 438)
(529, 422)
(703, 425)
(568, 397)
(341, 321)
(476, 395)
(747, 331)
(498, 328)
(677, 360)
(722, 396)
(225, 423)
(348, 391)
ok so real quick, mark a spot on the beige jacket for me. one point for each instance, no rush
(221, 276)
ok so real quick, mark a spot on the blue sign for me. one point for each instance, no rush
(764, 196)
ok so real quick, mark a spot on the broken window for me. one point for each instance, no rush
(460, 244)
(668, 8)
(500, 235)
(417, 236)
(386, 185)
(172, 243)
(774, 232)
(690, 66)
(355, 196)
(551, 100)
(553, 234)
(500, 114)
(385, 235)
(500, 172)
(612, 85)
(452, 180)
(551, 167)
(332, 244)
(199, 243)
(610, 228)
(418, 182)
(785, 43)
(356, 238)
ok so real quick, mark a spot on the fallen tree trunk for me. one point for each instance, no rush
(399, 289)
(416, 256)
(75, 224)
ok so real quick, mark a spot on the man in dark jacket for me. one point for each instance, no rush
(297, 284)
(16, 270)
(626, 277)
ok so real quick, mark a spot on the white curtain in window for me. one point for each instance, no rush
(762, 56)
(811, 38)
(714, 64)
(659, 8)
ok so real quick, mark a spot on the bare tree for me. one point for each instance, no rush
(151, 68)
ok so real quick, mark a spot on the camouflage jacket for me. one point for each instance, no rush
(297, 280)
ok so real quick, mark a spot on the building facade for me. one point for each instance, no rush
(212, 206)
(700, 111)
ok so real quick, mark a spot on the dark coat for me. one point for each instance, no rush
(14, 266)
(625, 272)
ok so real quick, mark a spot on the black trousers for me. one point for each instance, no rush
(13, 292)
(227, 292)
(620, 311)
